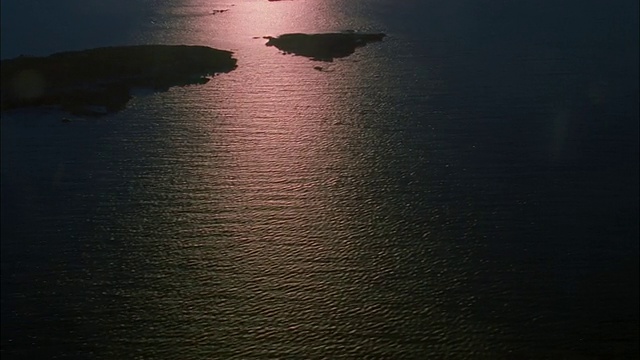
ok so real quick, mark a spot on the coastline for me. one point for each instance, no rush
(99, 81)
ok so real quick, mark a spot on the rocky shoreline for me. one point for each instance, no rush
(322, 47)
(99, 81)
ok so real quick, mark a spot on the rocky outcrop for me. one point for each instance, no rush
(81, 81)
(322, 47)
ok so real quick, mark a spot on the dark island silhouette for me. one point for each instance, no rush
(99, 81)
(322, 47)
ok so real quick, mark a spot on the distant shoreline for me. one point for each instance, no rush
(99, 81)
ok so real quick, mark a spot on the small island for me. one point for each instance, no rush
(322, 47)
(99, 81)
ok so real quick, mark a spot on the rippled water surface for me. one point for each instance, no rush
(466, 188)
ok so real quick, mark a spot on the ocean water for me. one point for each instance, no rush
(465, 189)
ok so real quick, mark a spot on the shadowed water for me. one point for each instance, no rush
(466, 188)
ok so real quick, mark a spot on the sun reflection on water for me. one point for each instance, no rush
(283, 185)
(295, 211)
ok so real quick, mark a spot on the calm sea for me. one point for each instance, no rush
(465, 189)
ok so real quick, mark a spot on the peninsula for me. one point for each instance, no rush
(99, 81)
(322, 47)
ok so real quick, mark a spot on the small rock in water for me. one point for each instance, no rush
(322, 47)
